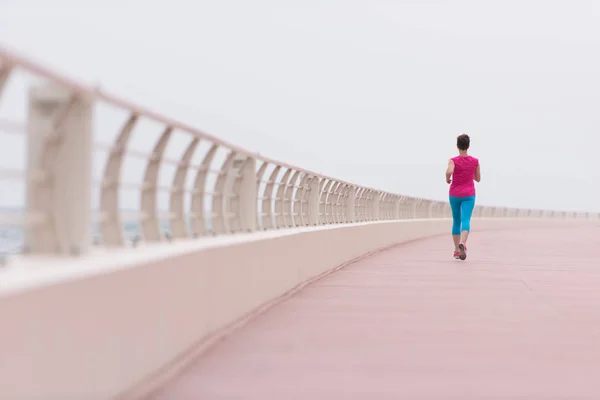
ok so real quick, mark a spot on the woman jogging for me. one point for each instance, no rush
(462, 171)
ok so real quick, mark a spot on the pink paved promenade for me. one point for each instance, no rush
(519, 319)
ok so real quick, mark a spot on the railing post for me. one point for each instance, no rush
(248, 196)
(357, 204)
(59, 166)
(364, 205)
(221, 195)
(376, 205)
(151, 224)
(350, 203)
(314, 200)
(244, 188)
(414, 210)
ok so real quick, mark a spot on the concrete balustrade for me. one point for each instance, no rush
(116, 325)
(110, 321)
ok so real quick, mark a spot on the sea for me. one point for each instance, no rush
(12, 237)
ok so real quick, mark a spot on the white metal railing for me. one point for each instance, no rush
(211, 186)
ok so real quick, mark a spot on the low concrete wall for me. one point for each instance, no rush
(98, 336)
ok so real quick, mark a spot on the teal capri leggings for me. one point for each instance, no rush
(462, 209)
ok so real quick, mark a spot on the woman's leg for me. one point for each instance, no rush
(455, 203)
(467, 206)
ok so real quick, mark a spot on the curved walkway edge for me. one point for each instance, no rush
(171, 371)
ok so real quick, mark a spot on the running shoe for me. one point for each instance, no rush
(462, 251)
(457, 254)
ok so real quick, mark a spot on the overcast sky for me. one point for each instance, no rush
(371, 91)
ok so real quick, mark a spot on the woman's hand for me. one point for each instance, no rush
(448, 181)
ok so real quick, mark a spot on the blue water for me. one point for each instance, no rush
(12, 237)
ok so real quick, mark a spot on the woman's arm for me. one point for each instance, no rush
(478, 174)
(449, 171)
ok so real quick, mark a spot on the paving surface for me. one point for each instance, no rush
(519, 319)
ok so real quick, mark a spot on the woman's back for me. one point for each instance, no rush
(463, 184)
(462, 172)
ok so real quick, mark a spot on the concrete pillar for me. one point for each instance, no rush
(59, 164)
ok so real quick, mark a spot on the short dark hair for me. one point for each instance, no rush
(463, 142)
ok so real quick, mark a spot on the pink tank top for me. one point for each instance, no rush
(463, 184)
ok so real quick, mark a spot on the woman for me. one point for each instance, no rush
(462, 171)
